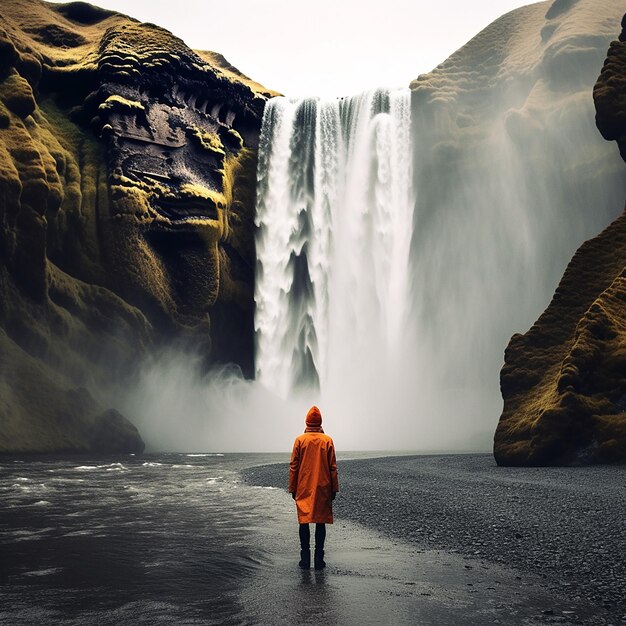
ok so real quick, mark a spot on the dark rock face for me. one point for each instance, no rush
(174, 133)
(609, 94)
(564, 381)
(127, 191)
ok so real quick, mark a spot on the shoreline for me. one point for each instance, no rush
(564, 525)
(183, 538)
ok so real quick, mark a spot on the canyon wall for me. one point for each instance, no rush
(127, 193)
(511, 176)
(564, 381)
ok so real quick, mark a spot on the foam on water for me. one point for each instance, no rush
(43, 572)
(110, 467)
(205, 454)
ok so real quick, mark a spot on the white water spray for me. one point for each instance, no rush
(334, 211)
(399, 251)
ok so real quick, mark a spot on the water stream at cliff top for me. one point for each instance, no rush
(334, 212)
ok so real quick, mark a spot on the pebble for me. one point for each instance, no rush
(562, 524)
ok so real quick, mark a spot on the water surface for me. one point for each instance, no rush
(128, 538)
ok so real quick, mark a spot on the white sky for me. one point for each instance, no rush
(323, 47)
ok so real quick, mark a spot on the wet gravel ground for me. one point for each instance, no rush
(566, 525)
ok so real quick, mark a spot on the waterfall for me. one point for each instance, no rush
(334, 216)
(400, 249)
(402, 239)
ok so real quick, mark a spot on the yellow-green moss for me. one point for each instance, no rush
(566, 411)
(17, 95)
(207, 140)
(203, 193)
(118, 103)
(236, 137)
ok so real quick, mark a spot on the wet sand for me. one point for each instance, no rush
(452, 540)
(373, 579)
(212, 539)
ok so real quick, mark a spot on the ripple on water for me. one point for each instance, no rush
(24, 533)
(79, 533)
(29, 535)
(136, 493)
(28, 488)
(43, 572)
(206, 454)
(110, 467)
(178, 521)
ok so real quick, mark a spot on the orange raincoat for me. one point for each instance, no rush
(313, 472)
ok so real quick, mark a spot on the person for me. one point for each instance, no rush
(313, 484)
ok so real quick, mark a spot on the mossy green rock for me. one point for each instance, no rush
(121, 231)
(564, 381)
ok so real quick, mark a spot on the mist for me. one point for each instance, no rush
(179, 408)
(511, 176)
(403, 238)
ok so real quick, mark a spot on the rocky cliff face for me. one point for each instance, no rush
(511, 176)
(127, 182)
(564, 381)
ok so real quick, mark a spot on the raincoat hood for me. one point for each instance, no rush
(314, 417)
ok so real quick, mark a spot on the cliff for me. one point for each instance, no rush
(564, 381)
(511, 176)
(127, 182)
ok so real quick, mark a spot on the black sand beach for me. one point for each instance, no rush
(562, 529)
(212, 539)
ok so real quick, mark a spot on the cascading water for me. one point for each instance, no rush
(397, 256)
(400, 247)
(334, 213)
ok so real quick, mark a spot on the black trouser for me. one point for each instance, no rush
(305, 536)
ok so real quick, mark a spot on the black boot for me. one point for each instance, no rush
(319, 559)
(305, 559)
